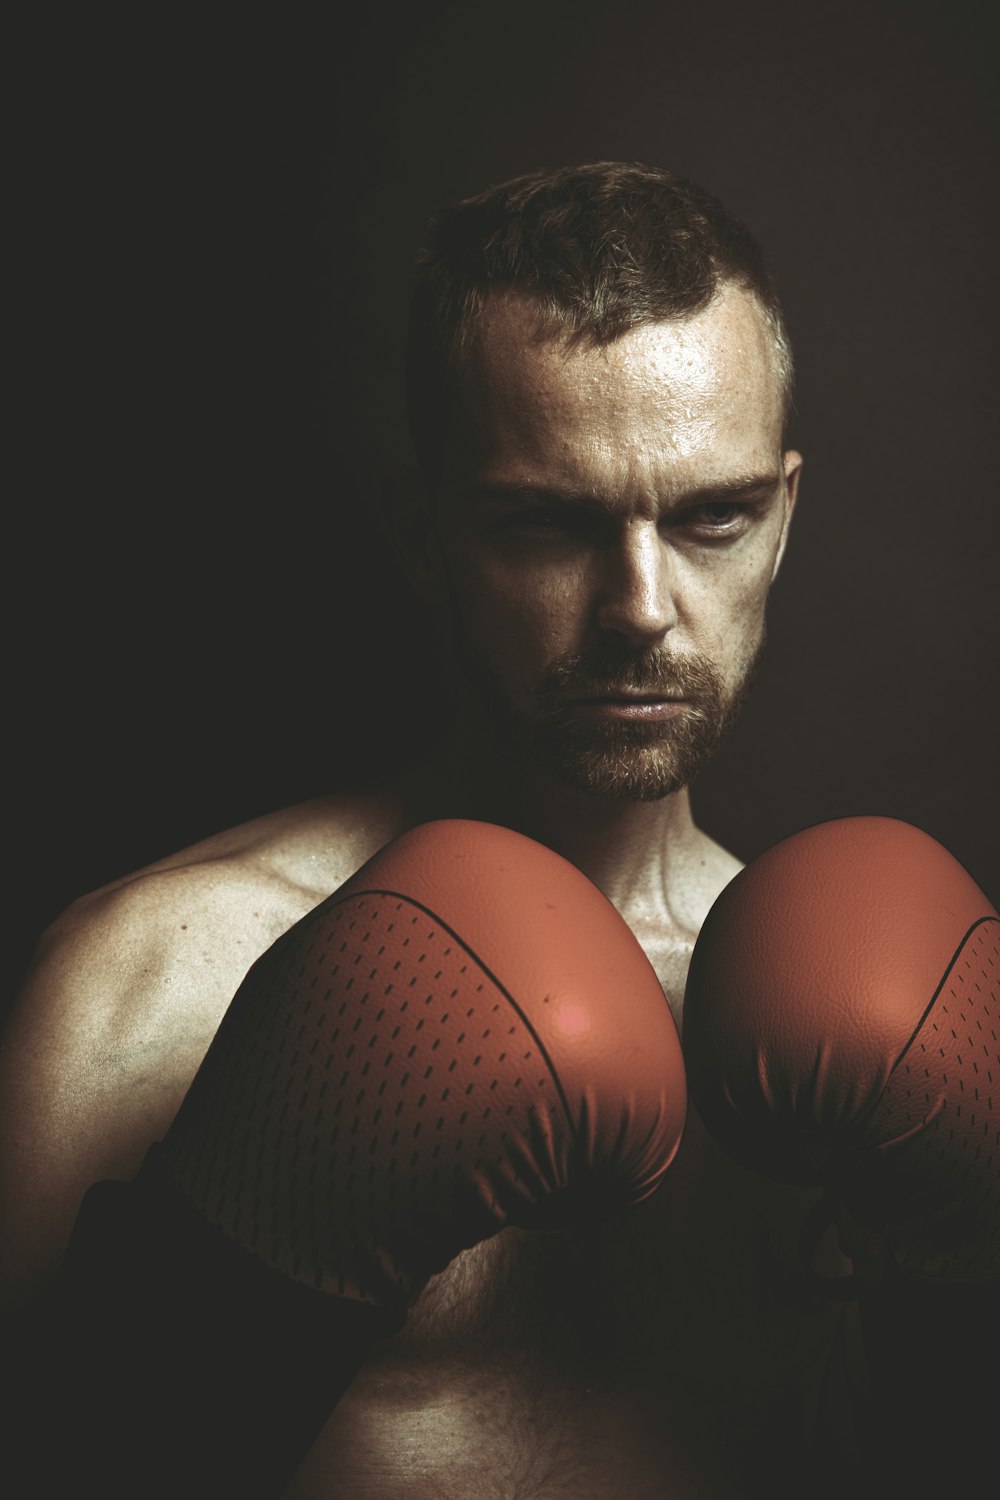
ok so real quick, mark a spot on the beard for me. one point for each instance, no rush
(633, 761)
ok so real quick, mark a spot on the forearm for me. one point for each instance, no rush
(165, 1360)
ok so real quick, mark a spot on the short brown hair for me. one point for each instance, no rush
(600, 248)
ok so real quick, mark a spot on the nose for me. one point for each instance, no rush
(637, 595)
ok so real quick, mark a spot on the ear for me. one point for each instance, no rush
(792, 465)
(408, 516)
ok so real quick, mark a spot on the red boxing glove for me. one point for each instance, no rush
(465, 1035)
(841, 1026)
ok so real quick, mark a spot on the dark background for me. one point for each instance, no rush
(219, 228)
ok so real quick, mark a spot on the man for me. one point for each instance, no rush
(600, 380)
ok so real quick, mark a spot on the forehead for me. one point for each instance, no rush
(698, 393)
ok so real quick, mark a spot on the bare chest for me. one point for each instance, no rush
(659, 1355)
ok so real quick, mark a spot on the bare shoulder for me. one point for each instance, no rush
(125, 993)
(168, 936)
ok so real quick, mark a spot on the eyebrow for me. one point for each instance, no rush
(741, 487)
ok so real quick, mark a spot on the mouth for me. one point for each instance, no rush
(629, 695)
(630, 706)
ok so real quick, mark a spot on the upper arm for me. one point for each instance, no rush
(118, 1010)
(97, 1055)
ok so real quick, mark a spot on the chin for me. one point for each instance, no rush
(623, 779)
(628, 764)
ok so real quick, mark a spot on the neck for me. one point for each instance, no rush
(634, 852)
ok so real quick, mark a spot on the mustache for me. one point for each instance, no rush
(607, 671)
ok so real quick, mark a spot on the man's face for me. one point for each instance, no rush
(607, 529)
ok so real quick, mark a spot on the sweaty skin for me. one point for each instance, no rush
(635, 499)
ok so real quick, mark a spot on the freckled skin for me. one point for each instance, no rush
(654, 1359)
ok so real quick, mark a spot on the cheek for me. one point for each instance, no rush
(726, 601)
(518, 607)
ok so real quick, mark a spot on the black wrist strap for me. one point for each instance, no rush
(164, 1360)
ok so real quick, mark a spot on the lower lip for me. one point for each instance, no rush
(627, 710)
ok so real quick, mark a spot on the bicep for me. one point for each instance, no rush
(84, 1090)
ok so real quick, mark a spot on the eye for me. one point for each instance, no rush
(718, 519)
(542, 519)
(551, 522)
(719, 512)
